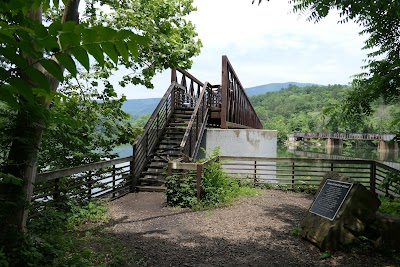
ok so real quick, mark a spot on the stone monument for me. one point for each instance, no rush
(341, 212)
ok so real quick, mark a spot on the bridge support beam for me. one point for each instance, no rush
(330, 142)
(388, 146)
(387, 150)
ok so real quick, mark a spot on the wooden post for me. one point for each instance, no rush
(113, 180)
(198, 180)
(292, 174)
(132, 169)
(255, 173)
(170, 165)
(56, 194)
(224, 91)
(372, 177)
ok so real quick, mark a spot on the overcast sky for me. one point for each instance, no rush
(267, 44)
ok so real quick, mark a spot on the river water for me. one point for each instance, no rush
(347, 152)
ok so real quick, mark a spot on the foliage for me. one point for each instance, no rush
(380, 21)
(392, 182)
(41, 39)
(319, 109)
(181, 190)
(73, 238)
(217, 188)
(389, 206)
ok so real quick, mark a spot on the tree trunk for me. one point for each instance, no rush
(24, 150)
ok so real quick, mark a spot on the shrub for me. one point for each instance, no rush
(217, 188)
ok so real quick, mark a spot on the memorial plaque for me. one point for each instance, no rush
(330, 198)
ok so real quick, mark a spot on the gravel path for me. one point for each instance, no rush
(254, 231)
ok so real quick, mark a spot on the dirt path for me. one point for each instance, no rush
(255, 231)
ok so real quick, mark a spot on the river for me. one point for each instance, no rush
(347, 152)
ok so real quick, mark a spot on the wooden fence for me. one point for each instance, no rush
(112, 179)
(293, 172)
(108, 179)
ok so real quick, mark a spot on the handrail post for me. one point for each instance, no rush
(198, 180)
(224, 91)
(372, 180)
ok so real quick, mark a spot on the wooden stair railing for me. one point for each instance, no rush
(195, 129)
(236, 109)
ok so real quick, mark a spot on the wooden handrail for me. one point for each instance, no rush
(51, 175)
(194, 132)
(236, 107)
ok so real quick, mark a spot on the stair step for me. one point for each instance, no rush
(151, 179)
(146, 188)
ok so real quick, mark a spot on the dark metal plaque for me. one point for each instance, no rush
(330, 198)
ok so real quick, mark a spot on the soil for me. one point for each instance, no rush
(254, 231)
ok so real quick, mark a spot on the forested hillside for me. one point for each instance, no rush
(319, 109)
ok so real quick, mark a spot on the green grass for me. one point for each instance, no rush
(389, 206)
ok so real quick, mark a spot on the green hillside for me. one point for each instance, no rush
(317, 109)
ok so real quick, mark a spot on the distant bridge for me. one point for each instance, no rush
(336, 139)
(346, 136)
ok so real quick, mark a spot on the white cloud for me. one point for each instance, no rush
(268, 43)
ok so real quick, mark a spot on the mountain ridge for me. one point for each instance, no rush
(139, 107)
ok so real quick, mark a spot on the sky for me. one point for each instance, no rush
(267, 43)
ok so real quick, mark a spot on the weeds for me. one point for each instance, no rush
(389, 206)
(62, 238)
(217, 188)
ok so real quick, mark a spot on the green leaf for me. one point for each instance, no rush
(40, 30)
(81, 55)
(39, 92)
(6, 178)
(6, 96)
(89, 36)
(12, 55)
(106, 33)
(55, 27)
(122, 50)
(133, 47)
(56, 3)
(23, 88)
(68, 40)
(96, 52)
(37, 78)
(67, 61)
(111, 51)
(68, 26)
(4, 75)
(45, 5)
(53, 68)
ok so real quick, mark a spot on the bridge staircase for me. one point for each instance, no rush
(175, 129)
(153, 178)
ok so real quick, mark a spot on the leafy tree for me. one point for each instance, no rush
(39, 43)
(380, 21)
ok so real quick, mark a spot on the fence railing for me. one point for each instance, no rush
(113, 178)
(109, 179)
(194, 132)
(293, 172)
(236, 109)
